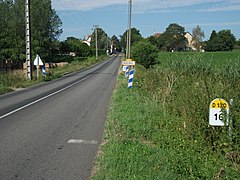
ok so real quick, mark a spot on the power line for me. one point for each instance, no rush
(73, 5)
(71, 17)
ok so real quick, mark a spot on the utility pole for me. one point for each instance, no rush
(129, 30)
(95, 27)
(28, 41)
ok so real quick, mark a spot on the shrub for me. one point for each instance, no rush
(145, 53)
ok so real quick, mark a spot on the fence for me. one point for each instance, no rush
(9, 65)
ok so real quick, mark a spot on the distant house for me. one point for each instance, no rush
(73, 54)
(191, 41)
(88, 40)
(157, 35)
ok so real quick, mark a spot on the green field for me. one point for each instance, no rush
(160, 130)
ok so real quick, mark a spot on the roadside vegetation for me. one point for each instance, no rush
(160, 130)
(16, 79)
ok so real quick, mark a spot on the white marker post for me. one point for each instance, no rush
(216, 112)
(130, 79)
(126, 70)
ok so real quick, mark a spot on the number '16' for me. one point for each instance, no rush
(218, 116)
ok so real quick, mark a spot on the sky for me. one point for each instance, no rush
(148, 16)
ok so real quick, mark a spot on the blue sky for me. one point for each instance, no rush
(149, 16)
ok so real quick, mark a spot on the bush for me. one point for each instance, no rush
(145, 53)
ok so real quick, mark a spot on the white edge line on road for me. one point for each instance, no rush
(45, 97)
(79, 141)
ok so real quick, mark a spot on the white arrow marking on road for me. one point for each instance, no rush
(79, 141)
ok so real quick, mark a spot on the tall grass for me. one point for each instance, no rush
(160, 130)
(186, 85)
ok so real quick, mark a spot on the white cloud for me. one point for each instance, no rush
(222, 24)
(150, 5)
(221, 8)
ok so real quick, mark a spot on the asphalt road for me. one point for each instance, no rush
(53, 130)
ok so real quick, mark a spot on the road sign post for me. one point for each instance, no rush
(38, 62)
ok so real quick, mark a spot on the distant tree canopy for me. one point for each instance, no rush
(172, 39)
(72, 44)
(237, 45)
(103, 41)
(224, 40)
(135, 37)
(45, 28)
(115, 42)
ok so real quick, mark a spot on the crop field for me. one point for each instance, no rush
(160, 128)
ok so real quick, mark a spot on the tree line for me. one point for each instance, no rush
(46, 28)
(174, 39)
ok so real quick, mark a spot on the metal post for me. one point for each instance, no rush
(96, 26)
(230, 124)
(28, 41)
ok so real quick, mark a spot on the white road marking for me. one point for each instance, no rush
(45, 97)
(79, 141)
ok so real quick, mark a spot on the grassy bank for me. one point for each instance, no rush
(16, 79)
(160, 130)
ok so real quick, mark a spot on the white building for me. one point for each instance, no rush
(88, 40)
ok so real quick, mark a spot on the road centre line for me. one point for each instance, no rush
(45, 97)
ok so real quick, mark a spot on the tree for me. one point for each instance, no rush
(45, 28)
(153, 40)
(72, 44)
(11, 31)
(135, 37)
(198, 36)
(228, 40)
(224, 40)
(144, 53)
(115, 42)
(173, 38)
(237, 44)
(212, 44)
(103, 41)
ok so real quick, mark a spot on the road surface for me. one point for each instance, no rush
(53, 130)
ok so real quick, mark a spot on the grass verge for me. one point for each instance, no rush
(16, 79)
(159, 129)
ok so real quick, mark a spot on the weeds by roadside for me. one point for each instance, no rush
(159, 129)
(16, 79)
